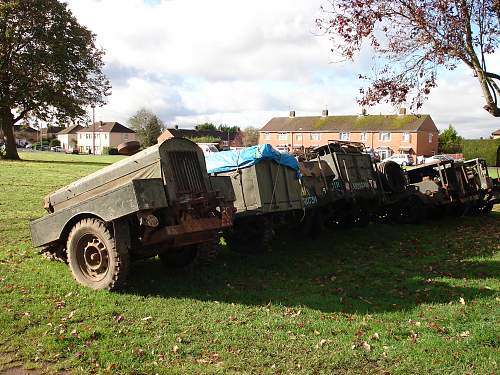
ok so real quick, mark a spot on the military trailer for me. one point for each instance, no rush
(156, 202)
(454, 187)
(267, 192)
(353, 191)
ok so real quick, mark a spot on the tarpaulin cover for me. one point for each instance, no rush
(227, 161)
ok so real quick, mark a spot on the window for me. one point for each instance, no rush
(125, 136)
(267, 136)
(298, 137)
(430, 137)
(315, 136)
(344, 136)
(406, 137)
(282, 136)
(384, 136)
(105, 136)
(363, 137)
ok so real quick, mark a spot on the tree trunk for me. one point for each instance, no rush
(7, 125)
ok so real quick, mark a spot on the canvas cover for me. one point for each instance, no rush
(227, 161)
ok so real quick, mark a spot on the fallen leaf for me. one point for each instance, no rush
(175, 349)
(375, 336)
(465, 334)
(366, 346)
(147, 318)
(462, 301)
(321, 343)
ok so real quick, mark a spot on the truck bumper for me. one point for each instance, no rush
(191, 231)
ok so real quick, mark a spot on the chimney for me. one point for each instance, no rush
(364, 112)
(292, 114)
(176, 127)
(324, 113)
(402, 111)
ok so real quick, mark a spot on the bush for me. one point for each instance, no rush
(110, 151)
(481, 148)
(54, 142)
(205, 139)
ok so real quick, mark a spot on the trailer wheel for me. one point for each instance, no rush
(413, 212)
(94, 256)
(485, 209)
(250, 236)
(190, 256)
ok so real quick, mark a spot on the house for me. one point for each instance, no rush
(102, 135)
(496, 134)
(225, 139)
(386, 134)
(50, 132)
(24, 134)
(68, 137)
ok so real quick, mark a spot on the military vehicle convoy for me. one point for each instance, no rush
(156, 202)
(170, 201)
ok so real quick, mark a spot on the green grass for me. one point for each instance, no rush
(387, 299)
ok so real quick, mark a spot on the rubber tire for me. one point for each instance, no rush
(413, 211)
(190, 256)
(118, 257)
(250, 236)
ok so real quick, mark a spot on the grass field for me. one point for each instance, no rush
(388, 299)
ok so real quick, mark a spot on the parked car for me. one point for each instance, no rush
(438, 158)
(401, 159)
(208, 148)
(56, 149)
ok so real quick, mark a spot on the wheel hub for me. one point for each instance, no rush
(95, 258)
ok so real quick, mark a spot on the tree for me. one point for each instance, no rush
(413, 39)
(228, 129)
(205, 126)
(449, 141)
(250, 136)
(50, 67)
(205, 139)
(147, 125)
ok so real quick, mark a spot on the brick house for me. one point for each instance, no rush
(106, 134)
(387, 134)
(225, 139)
(496, 134)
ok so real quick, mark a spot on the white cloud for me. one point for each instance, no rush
(240, 62)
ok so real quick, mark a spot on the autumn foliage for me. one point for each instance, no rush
(412, 39)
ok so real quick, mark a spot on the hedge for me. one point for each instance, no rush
(110, 151)
(481, 148)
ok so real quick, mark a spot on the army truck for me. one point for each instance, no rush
(156, 202)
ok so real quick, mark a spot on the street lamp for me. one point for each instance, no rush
(93, 129)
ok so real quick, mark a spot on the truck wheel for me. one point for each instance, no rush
(192, 255)
(94, 257)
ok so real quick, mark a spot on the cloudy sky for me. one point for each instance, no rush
(241, 63)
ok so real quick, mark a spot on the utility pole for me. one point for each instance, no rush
(93, 129)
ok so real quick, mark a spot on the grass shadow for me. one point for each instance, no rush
(369, 270)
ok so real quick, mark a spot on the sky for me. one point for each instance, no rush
(241, 63)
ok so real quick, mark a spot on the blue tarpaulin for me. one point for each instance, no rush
(227, 161)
